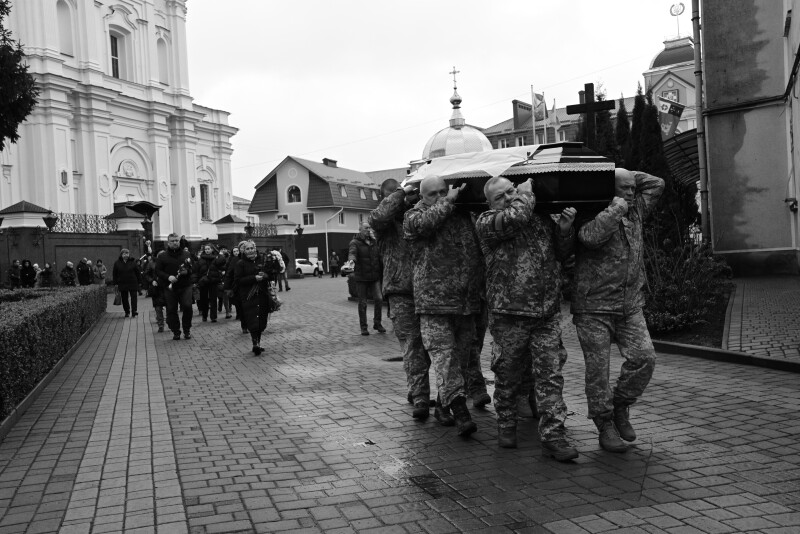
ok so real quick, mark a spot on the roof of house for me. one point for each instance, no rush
(241, 200)
(23, 206)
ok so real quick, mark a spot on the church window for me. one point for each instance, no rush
(362, 193)
(374, 195)
(65, 40)
(308, 219)
(502, 143)
(520, 141)
(114, 56)
(293, 195)
(205, 203)
(343, 191)
(341, 217)
(163, 62)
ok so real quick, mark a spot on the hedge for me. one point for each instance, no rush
(37, 328)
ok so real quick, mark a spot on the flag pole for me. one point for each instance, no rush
(533, 114)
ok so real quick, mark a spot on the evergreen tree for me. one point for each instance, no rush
(18, 90)
(636, 129)
(623, 134)
(605, 144)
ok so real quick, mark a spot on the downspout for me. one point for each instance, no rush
(327, 250)
(705, 224)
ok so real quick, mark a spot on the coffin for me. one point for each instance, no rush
(564, 175)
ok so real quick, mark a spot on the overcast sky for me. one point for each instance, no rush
(366, 82)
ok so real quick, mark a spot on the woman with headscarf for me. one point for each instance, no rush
(27, 274)
(127, 278)
(252, 277)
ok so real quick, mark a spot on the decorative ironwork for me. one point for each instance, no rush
(84, 223)
(262, 230)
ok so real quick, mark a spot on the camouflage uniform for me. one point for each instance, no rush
(607, 300)
(387, 221)
(522, 251)
(474, 381)
(448, 287)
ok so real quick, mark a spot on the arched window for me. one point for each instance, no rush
(64, 13)
(205, 203)
(293, 195)
(163, 62)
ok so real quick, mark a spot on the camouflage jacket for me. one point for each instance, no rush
(523, 251)
(448, 264)
(387, 221)
(609, 262)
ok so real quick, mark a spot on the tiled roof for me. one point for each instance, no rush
(23, 206)
(230, 218)
(240, 200)
(337, 174)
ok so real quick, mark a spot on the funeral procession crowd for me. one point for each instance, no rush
(448, 275)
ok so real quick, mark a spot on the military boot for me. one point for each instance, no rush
(609, 437)
(481, 399)
(464, 424)
(442, 414)
(623, 424)
(560, 449)
(421, 410)
(507, 437)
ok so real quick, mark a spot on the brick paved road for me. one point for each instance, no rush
(139, 433)
(765, 318)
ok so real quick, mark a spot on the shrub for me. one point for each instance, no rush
(39, 327)
(683, 284)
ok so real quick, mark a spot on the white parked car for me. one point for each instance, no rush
(304, 266)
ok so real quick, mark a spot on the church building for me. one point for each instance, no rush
(116, 122)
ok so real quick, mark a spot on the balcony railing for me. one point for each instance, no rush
(84, 223)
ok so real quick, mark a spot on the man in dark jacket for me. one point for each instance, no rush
(127, 278)
(14, 275)
(364, 252)
(607, 304)
(448, 286)
(398, 290)
(283, 278)
(156, 290)
(174, 271)
(523, 291)
(84, 271)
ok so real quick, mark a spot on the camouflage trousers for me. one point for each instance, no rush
(474, 382)
(416, 361)
(595, 333)
(448, 340)
(522, 343)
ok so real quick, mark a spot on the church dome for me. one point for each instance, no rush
(680, 50)
(459, 138)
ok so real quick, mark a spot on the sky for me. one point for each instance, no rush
(367, 83)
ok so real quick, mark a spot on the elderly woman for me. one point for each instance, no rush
(251, 278)
(127, 278)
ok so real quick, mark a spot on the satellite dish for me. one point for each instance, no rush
(676, 9)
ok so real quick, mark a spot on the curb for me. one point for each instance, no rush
(8, 423)
(722, 355)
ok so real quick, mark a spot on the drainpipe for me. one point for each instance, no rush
(705, 224)
(327, 250)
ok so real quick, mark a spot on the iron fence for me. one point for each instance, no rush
(262, 230)
(84, 223)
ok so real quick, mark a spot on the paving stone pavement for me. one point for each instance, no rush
(140, 433)
(765, 318)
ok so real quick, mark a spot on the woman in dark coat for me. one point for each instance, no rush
(252, 276)
(208, 278)
(27, 274)
(127, 278)
(233, 296)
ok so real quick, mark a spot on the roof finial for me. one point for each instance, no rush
(456, 121)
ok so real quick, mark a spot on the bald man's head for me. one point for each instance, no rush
(388, 187)
(432, 189)
(624, 184)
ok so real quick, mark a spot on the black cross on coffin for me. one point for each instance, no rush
(589, 106)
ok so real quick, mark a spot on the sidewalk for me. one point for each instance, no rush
(140, 433)
(764, 318)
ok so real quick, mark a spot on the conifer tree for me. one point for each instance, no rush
(623, 134)
(18, 90)
(636, 129)
(605, 144)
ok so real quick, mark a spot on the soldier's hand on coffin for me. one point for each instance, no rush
(619, 201)
(453, 192)
(566, 220)
(525, 187)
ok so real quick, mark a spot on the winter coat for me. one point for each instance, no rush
(364, 251)
(85, 274)
(27, 275)
(203, 272)
(46, 277)
(609, 262)
(522, 251)
(157, 291)
(14, 277)
(253, 294)
(398, 266)
(68, 276)
(126, 274)
(176, 263)
(448, 263)
(229, 272)
(100, 273)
